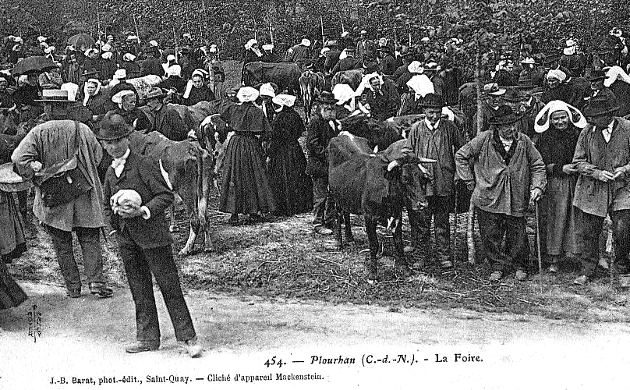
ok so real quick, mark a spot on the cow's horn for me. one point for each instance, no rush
(427, 160)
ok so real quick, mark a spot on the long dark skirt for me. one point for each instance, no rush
(292, 188)
(11, 294)
(245, 185)
(558, 222)
(11, 226)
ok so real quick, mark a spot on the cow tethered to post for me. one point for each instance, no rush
(360, 183)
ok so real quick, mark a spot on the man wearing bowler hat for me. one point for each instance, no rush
(436, 138)
(321, 130)
(135, 198)
(602, 158)
(596, 80)
(166, 120)
(508, 171)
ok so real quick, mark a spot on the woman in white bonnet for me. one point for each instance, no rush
(286, 162)
(245, 185)
(559, 125)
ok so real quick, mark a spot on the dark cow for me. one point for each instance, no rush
(311, 84)
(360, 183)
(351, 77)
(189, 168)
(284, 74)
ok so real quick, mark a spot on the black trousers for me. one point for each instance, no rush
(588, 235)
(420, 221)
(139, 264)
(323, 207)
(493, 228)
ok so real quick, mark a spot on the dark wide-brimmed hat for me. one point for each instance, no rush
(505, 115)
(601, 105)
(512, 95)
(597, 75)
(155, 93)
(326, 98)
(90, 72)
(113, 127)
(432, 100)
(54, 96)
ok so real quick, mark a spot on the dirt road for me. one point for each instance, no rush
(340, 346)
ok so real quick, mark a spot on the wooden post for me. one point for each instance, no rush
(470, 226)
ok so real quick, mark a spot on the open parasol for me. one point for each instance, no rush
(34, 64)
(80, 40)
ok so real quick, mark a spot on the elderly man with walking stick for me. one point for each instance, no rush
(508, 171)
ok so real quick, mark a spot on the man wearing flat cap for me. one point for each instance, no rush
(507, 173)
(602, 158)
(135, 197)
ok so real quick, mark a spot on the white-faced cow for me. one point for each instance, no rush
(360, 183)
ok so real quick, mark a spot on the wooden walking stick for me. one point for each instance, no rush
(454, 238)
(537, 216)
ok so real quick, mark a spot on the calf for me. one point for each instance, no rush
(360, 183)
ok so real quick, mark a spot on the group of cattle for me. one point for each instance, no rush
(359, 180)
(290, 77)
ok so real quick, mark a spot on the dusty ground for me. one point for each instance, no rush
(241, 333)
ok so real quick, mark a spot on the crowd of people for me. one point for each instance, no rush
(542, 139)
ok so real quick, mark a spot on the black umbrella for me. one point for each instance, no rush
(34, 64)
(81, 39)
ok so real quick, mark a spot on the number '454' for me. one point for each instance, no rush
(274, 362)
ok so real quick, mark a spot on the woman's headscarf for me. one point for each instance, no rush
(247, 94)
(283, 100)
(86, 95)
(189, 85)
(421, 85)
(543, 119)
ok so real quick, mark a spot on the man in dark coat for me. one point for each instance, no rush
(166, 121)
(382, 97)
(135, 197)
(299, 52)
(322, 128)
(332, 56)
(365, 47)
(348, 63)
(152, 64)
(268, 54)
(386, 60)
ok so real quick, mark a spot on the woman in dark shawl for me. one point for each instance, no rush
(245, 185)
(286, 161)
(560, 125)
